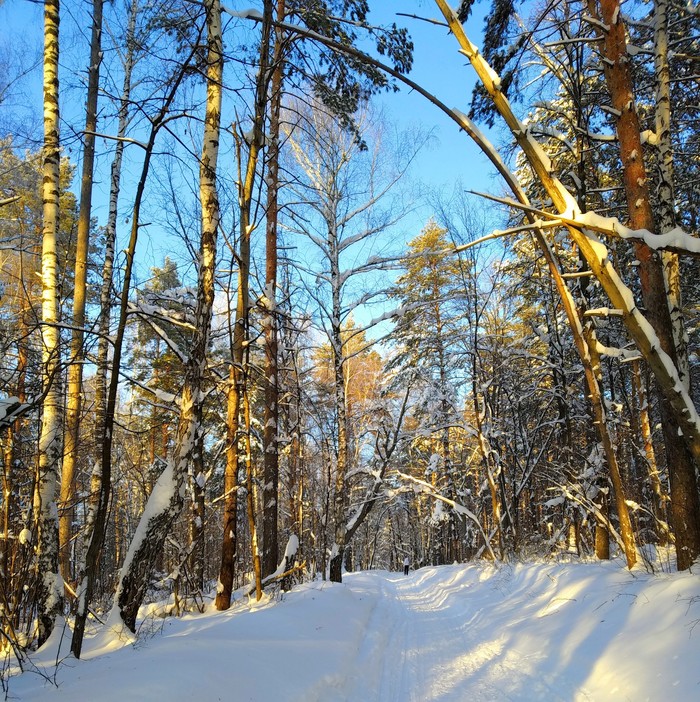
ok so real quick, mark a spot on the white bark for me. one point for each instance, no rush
(50, 595)
(666, 198)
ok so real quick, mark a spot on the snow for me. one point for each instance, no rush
(250, 13)
(557, 631)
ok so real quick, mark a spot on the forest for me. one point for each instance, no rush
(230, 359)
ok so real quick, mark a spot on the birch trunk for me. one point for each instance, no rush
(341, 464)
(50, 585)
(665, 180)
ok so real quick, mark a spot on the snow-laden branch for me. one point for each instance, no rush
(426, 488)
(250, 13)
(677, 240)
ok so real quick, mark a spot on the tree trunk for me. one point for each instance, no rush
(157, 520)
(197, 482)
(665, 183)
(250, 499)
(271, 418)
(77, 352)
(240, 331)
(50, 587)
(341, 464)
(230, 516)
(100, 487)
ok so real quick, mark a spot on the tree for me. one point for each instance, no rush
(308, 66)
(77, 351)
(238, 371)
(167, 498)
(345, 188)
(430, 295)
(50, 597)
(678, 401)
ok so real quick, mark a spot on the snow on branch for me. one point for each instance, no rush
(250, 13)
(676, 240)
(426, 488)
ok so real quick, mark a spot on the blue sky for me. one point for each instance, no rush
(450, 157)
(443, 71)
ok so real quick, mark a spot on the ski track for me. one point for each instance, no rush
(422, 644)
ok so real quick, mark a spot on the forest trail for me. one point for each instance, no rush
(544, 632)
(435, 640)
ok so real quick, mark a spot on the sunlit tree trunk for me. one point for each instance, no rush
(593, 376)
(240, 331)
(50, 585)
(77, 352)
(230, 511)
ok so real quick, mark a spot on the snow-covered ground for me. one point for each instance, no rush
(525, 632)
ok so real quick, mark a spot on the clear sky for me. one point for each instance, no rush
(443, 71)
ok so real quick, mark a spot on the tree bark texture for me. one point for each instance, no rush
(50, 586)
(271, 418)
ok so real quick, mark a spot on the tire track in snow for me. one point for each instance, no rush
(429, 641)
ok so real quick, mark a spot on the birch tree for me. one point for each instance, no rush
(50, 594)
(166, 500)
(346, 191)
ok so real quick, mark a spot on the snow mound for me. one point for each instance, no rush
(575, 631)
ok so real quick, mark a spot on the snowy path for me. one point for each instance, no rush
(461, 633)
(427, 643)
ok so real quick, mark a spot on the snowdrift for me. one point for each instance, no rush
(574, 631)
